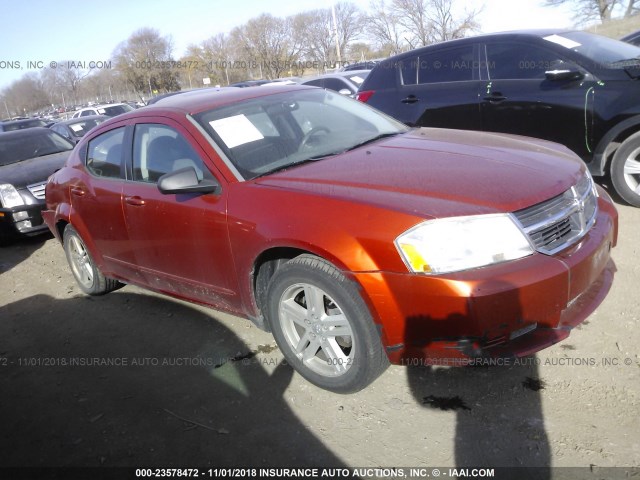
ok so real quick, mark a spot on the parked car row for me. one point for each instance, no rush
(110, 110)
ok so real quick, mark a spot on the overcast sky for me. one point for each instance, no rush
(45, 31)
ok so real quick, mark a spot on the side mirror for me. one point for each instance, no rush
(185, 180)
(564, 71)
(344, 91)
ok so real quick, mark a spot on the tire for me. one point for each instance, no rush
(308, 337)
(90, 280)
(625, 170)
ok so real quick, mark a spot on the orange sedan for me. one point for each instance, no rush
(355, 240)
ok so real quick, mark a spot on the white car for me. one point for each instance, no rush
(109, 109)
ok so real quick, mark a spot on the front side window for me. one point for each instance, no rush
(104, 155)
(159, 149)
(516, 61)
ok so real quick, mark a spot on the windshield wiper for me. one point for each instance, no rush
(325, 155)
(291, 165)
(371, 140)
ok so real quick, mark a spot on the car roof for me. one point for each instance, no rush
(507, 35)
(345, 74)
(25, 132)
(196, 101)
(81, 119)
(101, 105)
(21, 121)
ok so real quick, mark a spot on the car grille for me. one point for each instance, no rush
(37, 190)
(561, 221)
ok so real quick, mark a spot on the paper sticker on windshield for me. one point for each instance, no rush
(101, 111)
(357, 79)
(76, 128)
(565, 42)
(236, 130)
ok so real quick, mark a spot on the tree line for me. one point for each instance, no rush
(266, 46)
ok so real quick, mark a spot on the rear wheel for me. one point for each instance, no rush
(84, 269)
(323, 327)
(625, 170)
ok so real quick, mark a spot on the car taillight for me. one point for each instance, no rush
(365, 96)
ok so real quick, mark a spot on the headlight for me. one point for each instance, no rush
(461, 243)
(9, 196)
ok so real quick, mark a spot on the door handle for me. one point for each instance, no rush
(135, 201)
(77, 191)
(410, 99)
(495, 98)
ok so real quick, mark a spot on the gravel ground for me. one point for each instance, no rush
(138, 379)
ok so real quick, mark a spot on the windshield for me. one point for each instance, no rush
(81, 127)
(114, 110)
(275, 132)
(39, 143)
(603, 51)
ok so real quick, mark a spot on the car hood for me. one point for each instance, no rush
(439, 172)
(33, 170)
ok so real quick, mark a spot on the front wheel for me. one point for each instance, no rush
(625, 170)
(84, 269)
(323, 327)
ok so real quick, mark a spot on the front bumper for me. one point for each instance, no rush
(512, 309)
(23, 220)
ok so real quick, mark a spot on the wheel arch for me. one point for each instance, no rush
(61, 224)
(271, 259)
(81, 230)
(603, 154)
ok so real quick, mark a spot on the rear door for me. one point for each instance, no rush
(96, 198)
(518, 98)
(440, 88)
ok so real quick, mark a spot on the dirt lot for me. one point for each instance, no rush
(159, 382)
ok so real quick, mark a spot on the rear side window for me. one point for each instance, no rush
(104, 155)
(335, 84)
(450, 65)
(316, 83)
(409, 70)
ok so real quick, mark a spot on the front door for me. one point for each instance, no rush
(518, 98)
(180, 240)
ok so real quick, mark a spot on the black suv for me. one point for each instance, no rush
(570, 87)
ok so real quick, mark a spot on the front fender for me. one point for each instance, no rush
(598, 164)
